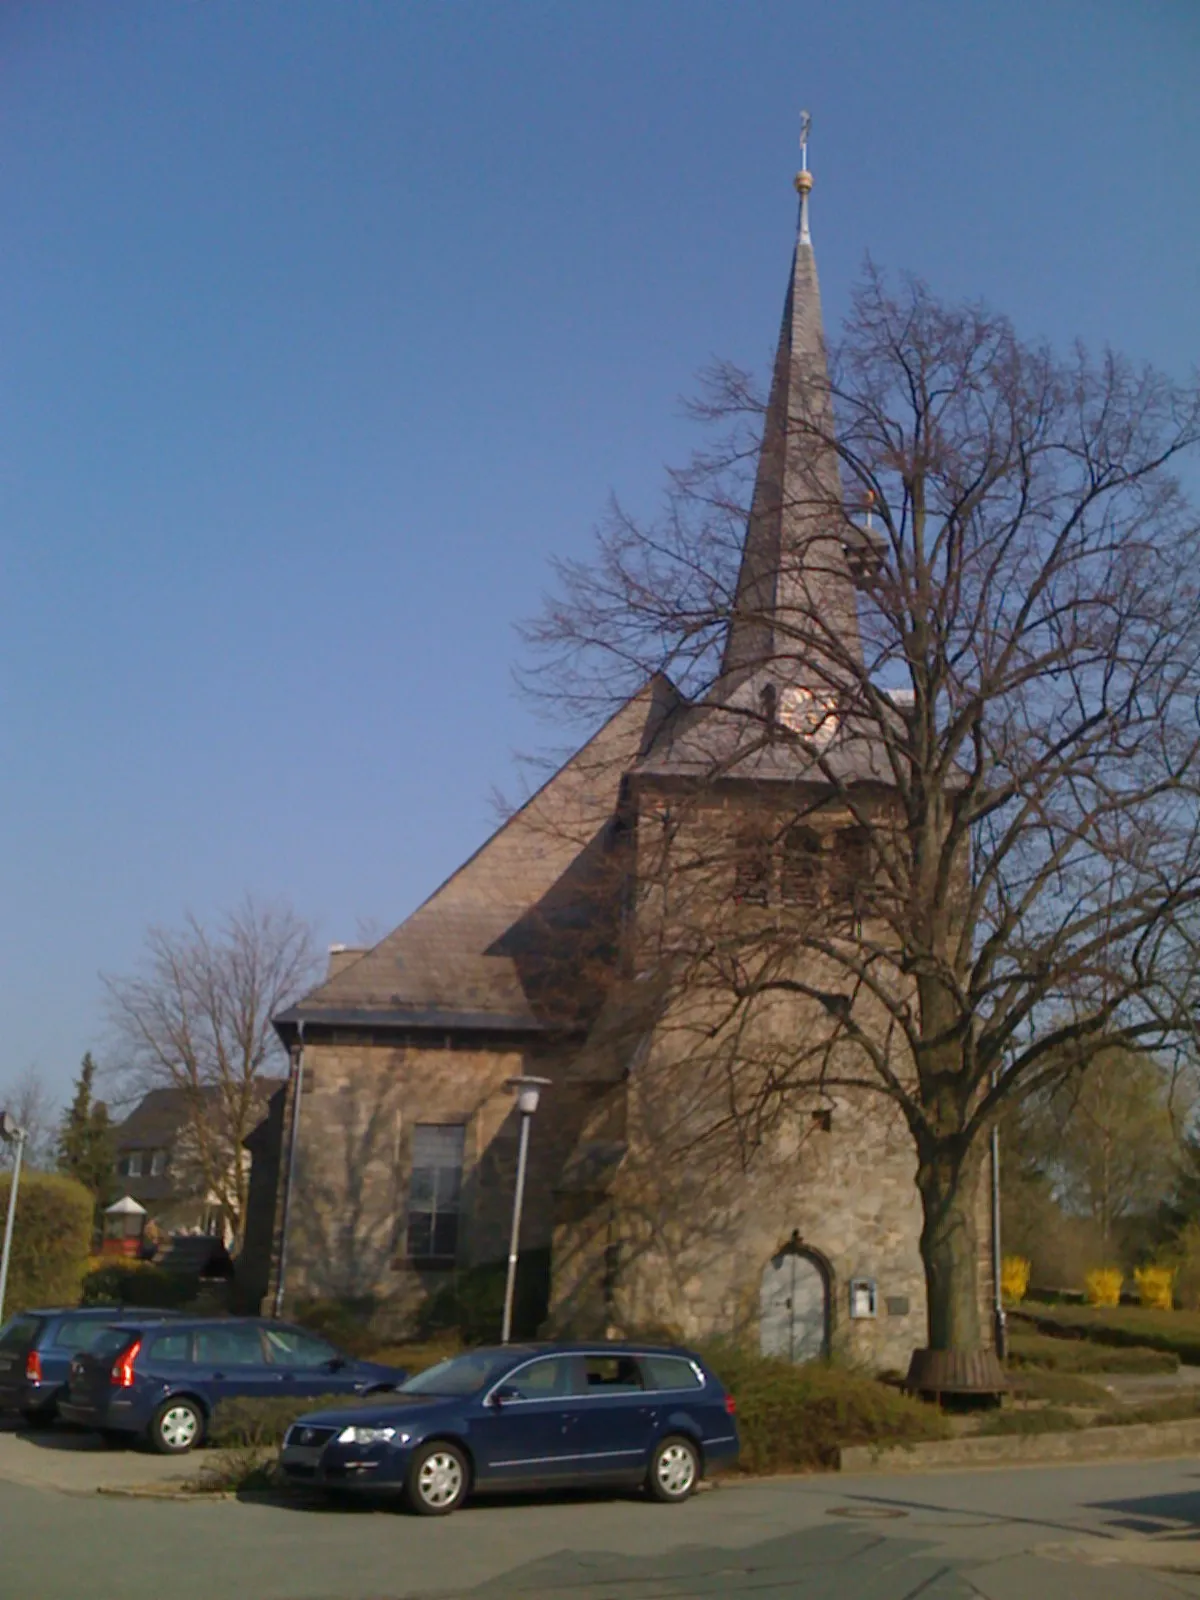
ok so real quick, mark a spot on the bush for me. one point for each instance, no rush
(1156, 1287)
(796, 1418)
(243, 1424)
(1103, 1286)
(472, 1304)
(125, 1282)
(1184, 1256)
(1176, 1408)
(345, 1323)
(1071, 1354)
(236, 1470)
(1049, 1420)
(52, 1233)
(1014, 1279)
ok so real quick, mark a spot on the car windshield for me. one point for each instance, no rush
(461, 1375)
(18, 1333)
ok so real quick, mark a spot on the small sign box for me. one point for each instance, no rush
(863, 1298)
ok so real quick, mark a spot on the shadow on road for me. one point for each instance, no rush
(54, 1436)
(1155, 1513)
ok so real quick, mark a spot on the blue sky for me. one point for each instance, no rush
(325, 325)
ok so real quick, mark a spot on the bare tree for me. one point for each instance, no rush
(196, 1018)
(993, 859)
(33, 1108)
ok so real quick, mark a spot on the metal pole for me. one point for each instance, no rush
(290, 1174)
(997, 1260)
(11, 1218)
(510, 1286)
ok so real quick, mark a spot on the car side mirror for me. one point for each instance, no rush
(336, 1364)
(505, 1393)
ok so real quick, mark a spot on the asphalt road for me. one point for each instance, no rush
(1067, 1533)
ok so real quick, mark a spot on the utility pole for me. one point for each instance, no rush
(11, 1134)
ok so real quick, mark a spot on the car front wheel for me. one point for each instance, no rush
(437, 1479)
(674, 1470)
(176, 1427)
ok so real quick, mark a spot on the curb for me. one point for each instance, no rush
(160, 1491)
(1138, 1441)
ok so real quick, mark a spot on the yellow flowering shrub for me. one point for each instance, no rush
(1156, 1287)
(1014, 1279)
(1103, 1286)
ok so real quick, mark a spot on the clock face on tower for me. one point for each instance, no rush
(812, 713)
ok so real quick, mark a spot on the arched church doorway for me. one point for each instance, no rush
(793, 1306)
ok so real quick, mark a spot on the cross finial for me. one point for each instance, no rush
(804, 180)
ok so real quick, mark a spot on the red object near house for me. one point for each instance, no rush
(120, 1247)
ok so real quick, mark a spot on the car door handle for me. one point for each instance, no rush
(219, 1376)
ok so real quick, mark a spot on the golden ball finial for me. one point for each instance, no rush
(804, 182)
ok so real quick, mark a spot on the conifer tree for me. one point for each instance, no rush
(85, 1144)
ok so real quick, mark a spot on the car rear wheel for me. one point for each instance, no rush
(674, 1470)
(176, 1427)
(438, 1479)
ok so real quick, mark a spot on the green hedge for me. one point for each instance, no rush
(1122, 1327)
(1055, 1353)
(260, 1424)
(797, 1418)
(52, 1234)
(136, 1283)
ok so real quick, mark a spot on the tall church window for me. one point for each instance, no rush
(435, 1191)
(752, 868)
(851, 871)
(800, 879)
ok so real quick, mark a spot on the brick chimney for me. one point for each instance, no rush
(340, 957)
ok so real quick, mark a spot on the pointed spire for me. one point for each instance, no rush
(795, 608)
(804, 180)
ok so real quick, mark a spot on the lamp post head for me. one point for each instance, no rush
(8, 1127)
(528, 1092)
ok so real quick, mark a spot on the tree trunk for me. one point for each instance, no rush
(949, 1186)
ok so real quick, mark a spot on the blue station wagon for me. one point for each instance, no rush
(36, 1350)
(161, 1382)
(526, 1417)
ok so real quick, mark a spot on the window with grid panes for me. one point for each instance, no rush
(435, 1191)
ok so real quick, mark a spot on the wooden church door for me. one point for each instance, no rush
(793, 1306)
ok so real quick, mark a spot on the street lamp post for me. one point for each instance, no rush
(527, 1091)
(11, 1134)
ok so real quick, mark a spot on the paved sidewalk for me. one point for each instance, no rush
(59, 1458)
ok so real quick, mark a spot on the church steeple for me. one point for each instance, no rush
(795, 613)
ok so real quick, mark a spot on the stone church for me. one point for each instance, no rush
(671, 1189)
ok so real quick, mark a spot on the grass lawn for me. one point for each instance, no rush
(1175, 1332)
(1042, 1352)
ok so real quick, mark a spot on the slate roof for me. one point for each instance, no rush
(474, 954)
(155, 1121)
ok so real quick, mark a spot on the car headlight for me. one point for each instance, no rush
(356, 1434)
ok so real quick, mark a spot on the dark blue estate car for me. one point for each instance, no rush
(162, 1381)
(526, 1417)
(36, 1348)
